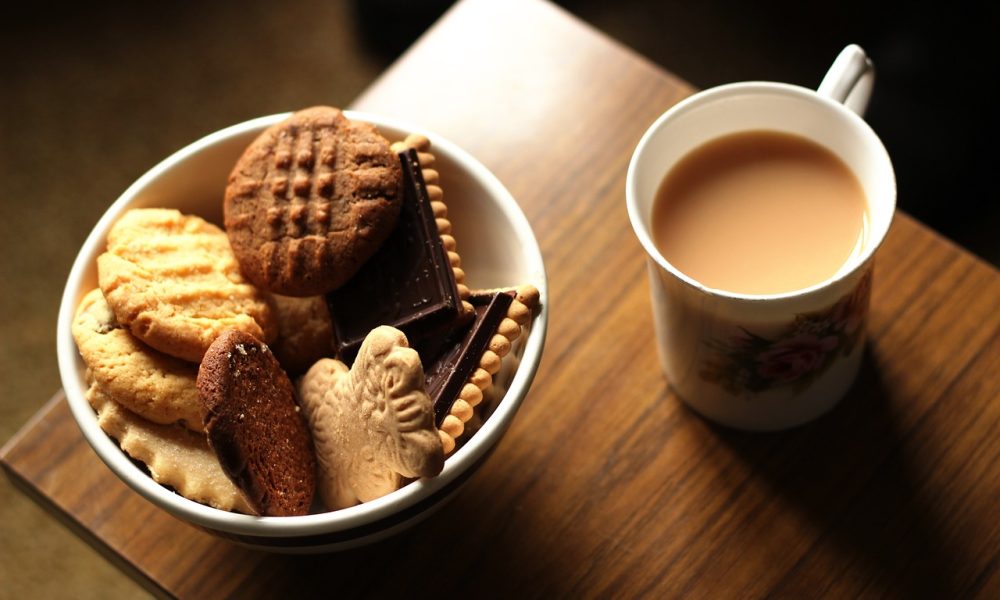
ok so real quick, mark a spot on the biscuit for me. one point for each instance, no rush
(153, 385)
(481, 380)
(432, 178)
(174, 456)
(174, 282)
(310, 200)
(254, 426)
(373, 424)
(305, 332)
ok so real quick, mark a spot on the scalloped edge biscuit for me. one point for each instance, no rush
(174, 456)
(511, 328)
(435, 193)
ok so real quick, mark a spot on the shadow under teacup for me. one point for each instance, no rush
(765, 361)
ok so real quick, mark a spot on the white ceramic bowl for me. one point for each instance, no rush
(497, 246)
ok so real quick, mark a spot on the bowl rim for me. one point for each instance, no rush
(476, 448)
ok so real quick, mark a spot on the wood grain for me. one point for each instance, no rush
(606, 485)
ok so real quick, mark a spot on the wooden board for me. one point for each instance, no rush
(606, 485)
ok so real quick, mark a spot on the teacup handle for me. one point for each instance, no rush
(850, 79)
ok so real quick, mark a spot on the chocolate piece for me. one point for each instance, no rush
(408, 284)
(447, 373)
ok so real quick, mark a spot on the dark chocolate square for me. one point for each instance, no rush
(446, 373)
(408, 284)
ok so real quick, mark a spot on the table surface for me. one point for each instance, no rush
(606, 484)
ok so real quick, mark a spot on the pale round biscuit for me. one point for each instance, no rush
(174, 456)
(372, 424)
(156, 386)
(174, 281)
(305, 332)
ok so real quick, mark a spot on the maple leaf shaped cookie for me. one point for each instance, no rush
(372, 424)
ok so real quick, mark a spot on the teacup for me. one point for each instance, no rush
(765, 361)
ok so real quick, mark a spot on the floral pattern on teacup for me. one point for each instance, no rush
(746, 362)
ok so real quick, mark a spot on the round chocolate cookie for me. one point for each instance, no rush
(310, 200)
(254, 427)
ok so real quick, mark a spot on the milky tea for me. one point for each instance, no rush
(760, 212)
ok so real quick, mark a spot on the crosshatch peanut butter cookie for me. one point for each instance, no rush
(151, 384)
(254, 426)
(173, 281)
(310, 200)
(174, 456)
(373, 424)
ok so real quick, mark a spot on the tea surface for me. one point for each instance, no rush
(759, 212)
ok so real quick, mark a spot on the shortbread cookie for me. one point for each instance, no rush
(432, 179)
(310, 200)
(254, 426)
(174, 456)
(373, 424)
(174, 282)
(151, 384)
(305, 333)
(471, 395)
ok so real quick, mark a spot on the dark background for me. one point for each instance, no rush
(934, 64)
(93, 94)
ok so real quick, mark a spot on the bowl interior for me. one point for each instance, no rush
(494, 239)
